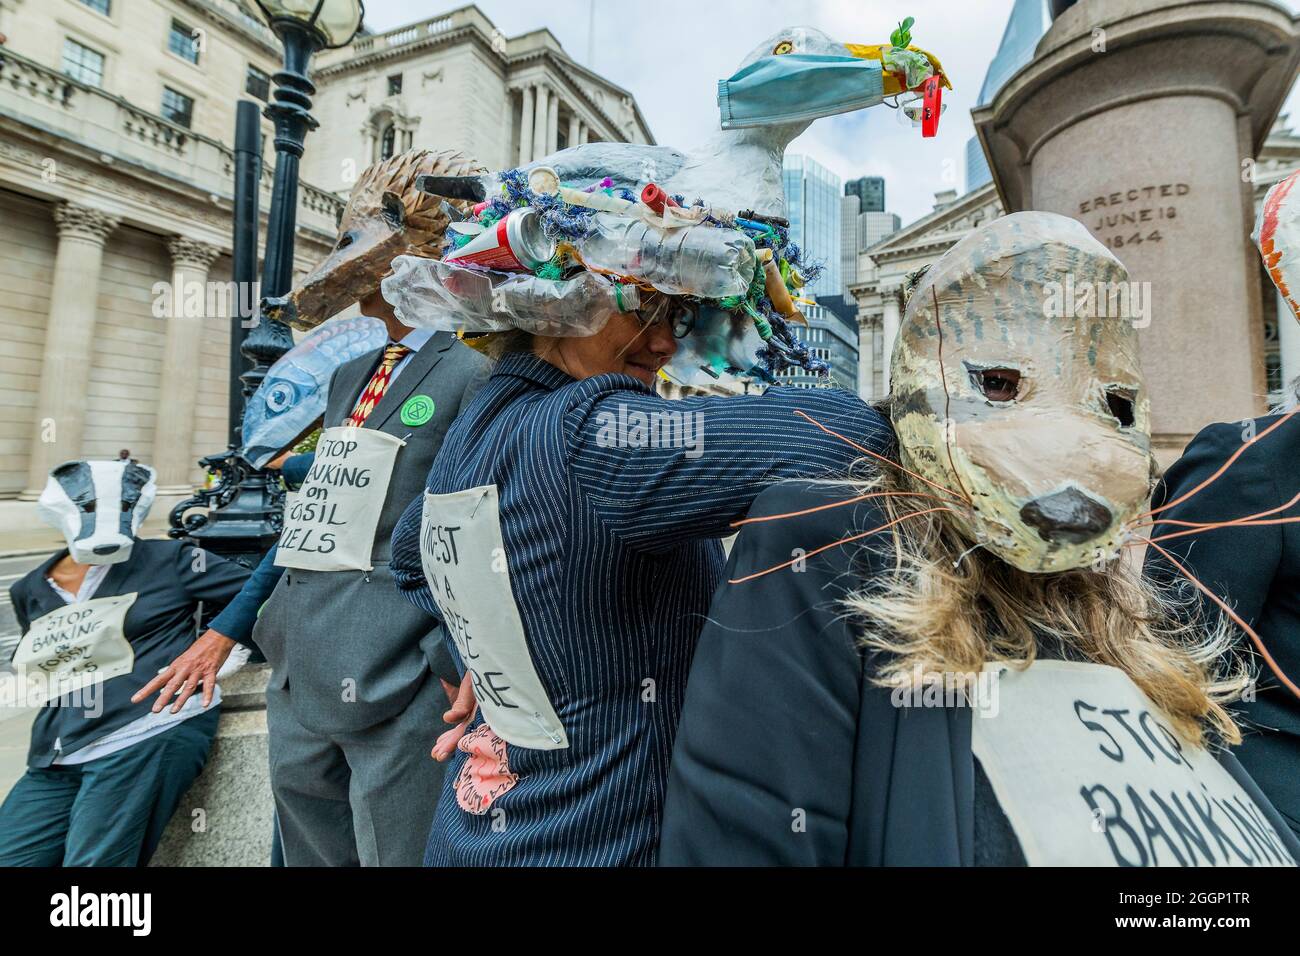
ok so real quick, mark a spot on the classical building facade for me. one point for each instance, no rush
(116, 186)
(883, 270)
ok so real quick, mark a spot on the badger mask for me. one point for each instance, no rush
(99, 506)
(1013, 388)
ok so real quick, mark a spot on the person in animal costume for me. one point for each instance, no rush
(943, 661)
(569, 533)
(1227, 516)
(354, 701)
(99, 618)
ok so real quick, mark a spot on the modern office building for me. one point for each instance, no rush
(1028, 22)
(831, 335)
(873, 227)
(870, 191)
(850, 241)
(977, 165)
(812, 196)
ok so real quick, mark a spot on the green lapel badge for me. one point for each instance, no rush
(417, 410)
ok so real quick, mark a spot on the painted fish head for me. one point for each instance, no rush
(292, 396)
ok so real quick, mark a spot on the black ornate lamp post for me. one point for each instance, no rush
(244, 505)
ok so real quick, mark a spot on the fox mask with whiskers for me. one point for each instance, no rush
(1024, 396)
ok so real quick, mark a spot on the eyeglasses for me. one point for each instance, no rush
(678, 314)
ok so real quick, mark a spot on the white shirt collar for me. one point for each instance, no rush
(415, 339)
(95, 575)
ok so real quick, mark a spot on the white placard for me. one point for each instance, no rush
(1090, 773)
(464, 560)
(71, 648)
(330, 522)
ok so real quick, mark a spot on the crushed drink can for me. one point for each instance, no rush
(515, 243)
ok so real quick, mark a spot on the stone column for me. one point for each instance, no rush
(573, 129)
(866, 357)
(59, 422)
(890, 319)
(541, 113)
(553, 125)
(584, 132)
(526, 127)
(178, 386)
(1153, 167)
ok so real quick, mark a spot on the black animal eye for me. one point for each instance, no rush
(88, 507)
(345, 240)
(1119, 401)
(997, 384)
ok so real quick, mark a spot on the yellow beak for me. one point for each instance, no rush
(894, 83)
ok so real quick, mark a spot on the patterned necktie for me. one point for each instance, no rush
(378, 385)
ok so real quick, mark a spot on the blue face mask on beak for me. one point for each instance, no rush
(794, 87)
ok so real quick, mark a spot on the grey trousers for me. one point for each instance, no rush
(364, 798)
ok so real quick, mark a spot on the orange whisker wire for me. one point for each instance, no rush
(1222, 468)
(837, 504)
(1239, 523)
(867, 451)
(1217, 524)
(1236, 618)
(827, 547)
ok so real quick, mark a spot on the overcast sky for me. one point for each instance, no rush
(670, 54)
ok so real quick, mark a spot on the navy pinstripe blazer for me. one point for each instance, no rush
(614, 557)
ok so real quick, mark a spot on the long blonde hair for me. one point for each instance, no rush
(947, 609)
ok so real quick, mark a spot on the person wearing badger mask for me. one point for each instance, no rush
(354, 701)
(988, 685)
(99, 619)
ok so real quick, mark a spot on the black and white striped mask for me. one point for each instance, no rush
(98, 506)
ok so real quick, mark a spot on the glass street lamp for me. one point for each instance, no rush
(244, 505)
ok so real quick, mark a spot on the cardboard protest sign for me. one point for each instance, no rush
(464, 560)
(329, 524)
(72, 647)
(1089, 773)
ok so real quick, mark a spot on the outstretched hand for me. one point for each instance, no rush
(197, 666)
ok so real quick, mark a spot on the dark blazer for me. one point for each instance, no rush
(781, 714)
(160, 625)
(329, 632)
(613, 550)
(1255, 569)
(236, 621)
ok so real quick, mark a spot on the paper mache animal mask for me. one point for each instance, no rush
(98, 506)
(386, 217)
(1012, 388)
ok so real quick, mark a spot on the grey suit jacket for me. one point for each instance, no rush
(348, 647)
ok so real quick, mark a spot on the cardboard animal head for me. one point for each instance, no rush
(98, 506)
(1016, 384)
(386, 217)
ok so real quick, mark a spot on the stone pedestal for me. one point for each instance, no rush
(1141, 118)
(226, 817)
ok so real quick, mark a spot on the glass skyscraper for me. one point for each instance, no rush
(812, 197)
(1028, 22)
